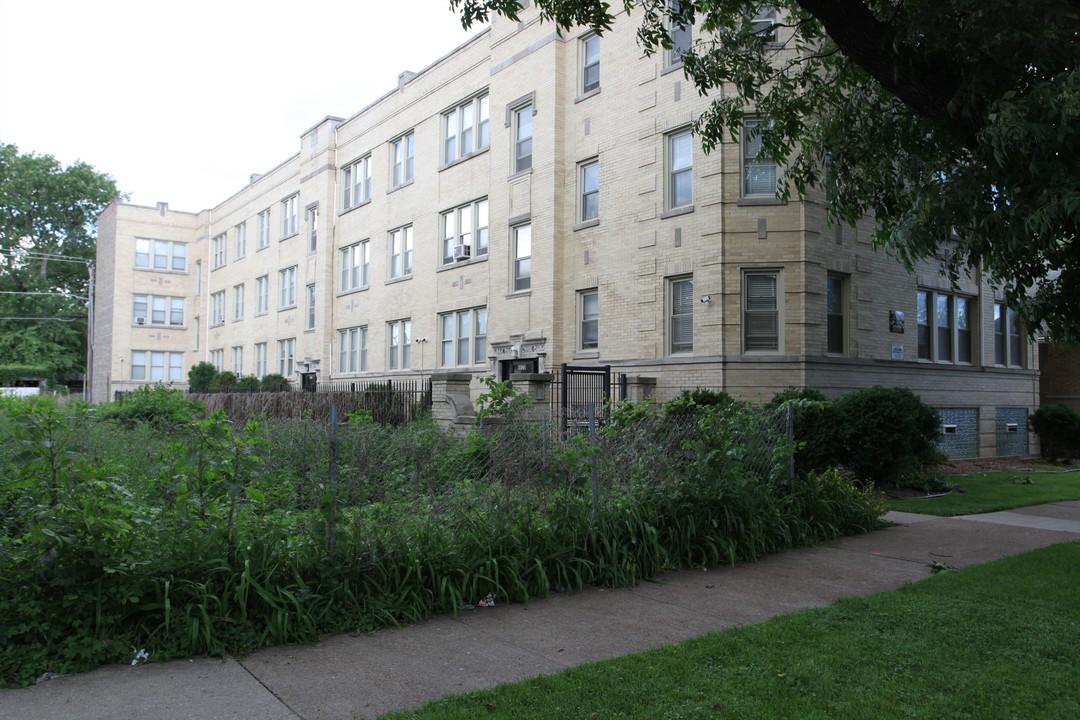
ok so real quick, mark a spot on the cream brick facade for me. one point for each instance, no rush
(629, 254)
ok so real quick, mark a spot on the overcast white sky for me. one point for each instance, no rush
(181, 100)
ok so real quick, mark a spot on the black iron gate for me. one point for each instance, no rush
(582, 387)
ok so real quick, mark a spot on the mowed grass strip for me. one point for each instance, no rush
(987, 492)
(1000, 640)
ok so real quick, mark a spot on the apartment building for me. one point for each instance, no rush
(533, 199)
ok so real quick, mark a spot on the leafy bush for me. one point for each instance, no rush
(201, 377)
(1058, 428)
(224, 381)
(158, 404)
(274, 383)
(248, 383)
(692, 402)
(890, 436)
(818, 427)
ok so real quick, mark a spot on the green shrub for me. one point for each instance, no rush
(818, 429)
(274, 383)
(158, 404)
(248, 383)
(201, 377)
(692, 403)
(890, 436)
(1058, 428)
(224, 382)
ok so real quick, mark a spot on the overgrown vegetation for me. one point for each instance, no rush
(1058, 428)
(201, 536)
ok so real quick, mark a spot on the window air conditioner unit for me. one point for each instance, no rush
(462, 252)
(140, 320)
(221, 319)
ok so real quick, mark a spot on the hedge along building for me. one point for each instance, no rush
(534, 199)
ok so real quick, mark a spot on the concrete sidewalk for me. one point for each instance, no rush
(364, 676)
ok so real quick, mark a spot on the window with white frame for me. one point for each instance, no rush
(765, 24)
(835, 323)
(310, 324)
(217, 308)
(157, 310)
(466, 129)
(588, 320)
(463, 337)
(238, 302)
(217, 251)
(262, 294)
(521, 271)
(944, 326)
(590, 63)
(401, 252)
(402, 152)
(313, 228)
(682, 35)
(290, 220)
(355, 265)
(264, 230)
(680, 169)
(465, 231)
(1008, 337)
(260, 360)
(761, 312)
(356, 179)
(240, 240)
(238, 360)
(523, 137)
(288, 287)
(759, 172)
(681, 315)
(398, 338)
(157, 366)
(589, 179)
(286, 354)
(160, 255)
(353, 343)
(217, 359)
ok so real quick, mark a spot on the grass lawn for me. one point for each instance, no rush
(986, 492)
(992, 641)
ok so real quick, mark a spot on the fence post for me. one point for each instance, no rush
(592, 464)
(331, 485)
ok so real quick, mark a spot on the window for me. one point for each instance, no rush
(590, 63)
(160, 255)
(759, 173)
(354, 349)
(680, 169)
(238, 302)
(260, 359)
(286, 352)
(401, 154)
(682, 315)
(682, 36)
(764, 24)
(401, 252)
(589, 308)
(310, 307)
(944, 326)
(217, 251)
(466, 129)
(761, 312)
(355, 262)
(313, 228)
(264, 229)
(522, 270)
(217, 308)
(262, 295)
(238, 360)
(399, 335)
(163, 366)
(217, 359)
(590, 191)
(834, 314)
(240, 236)
(465, 227)
(1008, 337)
(356, 178)
(523, 133)
(157, 310)
(463, 337)
(290, 208)
(288, 287)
